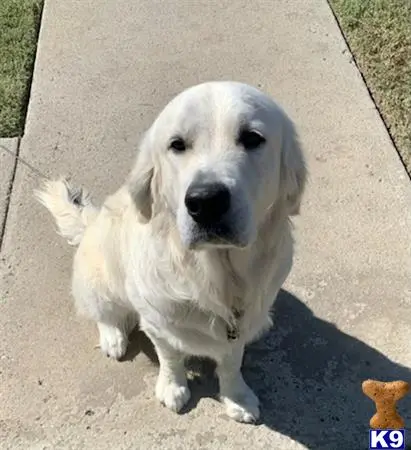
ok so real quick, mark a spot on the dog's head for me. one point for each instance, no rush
(217, 158)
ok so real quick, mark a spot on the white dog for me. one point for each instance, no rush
(197, 243)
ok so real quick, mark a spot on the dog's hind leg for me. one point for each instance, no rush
(114, 333)
(113, 340)
(114, 324)
(114, 319)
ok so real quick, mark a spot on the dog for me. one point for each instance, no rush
(196, 244)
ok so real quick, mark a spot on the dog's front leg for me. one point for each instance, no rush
(241, 403)
(171, 387)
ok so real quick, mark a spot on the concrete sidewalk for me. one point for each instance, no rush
(102, 74)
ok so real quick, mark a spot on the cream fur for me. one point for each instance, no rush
(136, 260)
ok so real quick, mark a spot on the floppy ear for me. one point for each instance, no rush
(139, 182)
(293, 169)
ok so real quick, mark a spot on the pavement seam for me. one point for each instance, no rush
(354, 60)
(9, 189)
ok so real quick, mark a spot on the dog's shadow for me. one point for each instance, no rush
(308, 374)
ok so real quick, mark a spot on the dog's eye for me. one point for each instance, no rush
(178, 145)
(251, 140)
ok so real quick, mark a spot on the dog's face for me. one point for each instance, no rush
(218, 157)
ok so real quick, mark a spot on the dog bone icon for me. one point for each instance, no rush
(386, 395)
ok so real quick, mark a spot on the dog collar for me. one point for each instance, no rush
(233, 331)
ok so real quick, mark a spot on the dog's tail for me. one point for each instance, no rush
(71, 207)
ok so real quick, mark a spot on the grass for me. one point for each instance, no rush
(19, 24)
(379, 35)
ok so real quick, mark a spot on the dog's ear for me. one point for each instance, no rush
(140, 179)
(293, 169)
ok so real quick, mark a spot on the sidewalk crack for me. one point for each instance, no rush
(9, 190)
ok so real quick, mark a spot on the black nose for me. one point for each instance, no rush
(207, 202)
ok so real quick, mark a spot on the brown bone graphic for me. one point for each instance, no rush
(385, 396)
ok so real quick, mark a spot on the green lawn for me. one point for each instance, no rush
(378, 32)
(379, 35)
(19, 24)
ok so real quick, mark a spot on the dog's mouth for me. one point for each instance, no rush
(218, 235)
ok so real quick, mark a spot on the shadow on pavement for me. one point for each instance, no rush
(307, 374)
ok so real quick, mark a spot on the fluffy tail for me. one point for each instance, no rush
(71, 207)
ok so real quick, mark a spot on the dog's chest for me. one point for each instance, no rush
(201, 292)
(190, 300)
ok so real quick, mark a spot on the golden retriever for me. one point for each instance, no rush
(197, 242)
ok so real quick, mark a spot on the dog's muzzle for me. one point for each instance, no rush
(207, 203)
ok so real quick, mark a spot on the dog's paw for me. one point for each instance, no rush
(172, 394)
(242, 406)
(113, 342)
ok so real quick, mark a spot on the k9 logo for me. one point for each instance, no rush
(388, 439)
